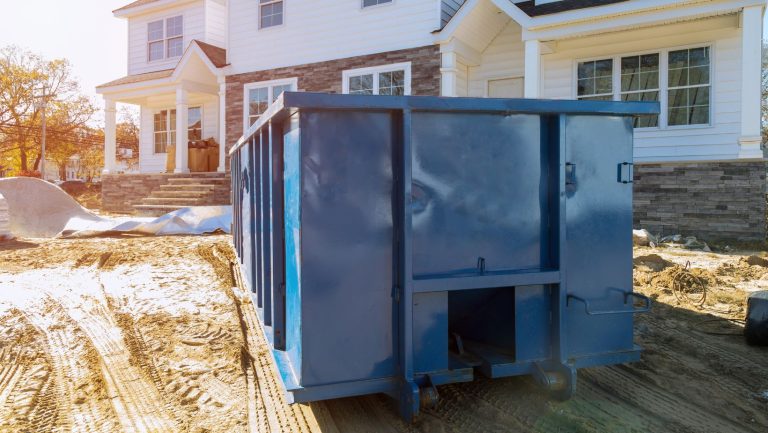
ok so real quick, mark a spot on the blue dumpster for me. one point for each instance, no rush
(396, 244)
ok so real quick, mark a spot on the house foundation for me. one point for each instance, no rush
(710, 200)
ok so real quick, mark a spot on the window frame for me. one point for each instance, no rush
(271, 2)
(363, 7)
(171, 126)
(165, 39)
(375, 71)
(663, 124)
(270, 84)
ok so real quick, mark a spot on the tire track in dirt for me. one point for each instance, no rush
(80, 388)
(26, 385)
(140, 405)
(268, 410)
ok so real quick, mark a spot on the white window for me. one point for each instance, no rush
(380, 80)
(258, 97)
(680, 79)
(595, 80)
(640, 82)
(367, 3)
(270, 13)
(165, 127)
(165, 38)
(689, 87)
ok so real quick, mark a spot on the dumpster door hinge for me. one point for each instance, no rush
(396, 293)
(626, 172)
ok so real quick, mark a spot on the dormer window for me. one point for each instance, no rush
(165, 38)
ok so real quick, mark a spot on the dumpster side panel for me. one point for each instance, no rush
(477, 183)
(598, 259)
(293, 259)
(347, 252)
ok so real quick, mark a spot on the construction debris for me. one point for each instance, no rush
(756, 328)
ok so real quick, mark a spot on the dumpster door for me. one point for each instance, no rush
(598, 256)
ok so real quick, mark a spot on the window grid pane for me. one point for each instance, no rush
(689, 87)
(640, 82)
(156, 51)
(195, 124)
(155, 31)
(175, 47)
(271, 13)
(361, 85)
(174, 27)
(367, 3)
(392, 83)
(595, 80)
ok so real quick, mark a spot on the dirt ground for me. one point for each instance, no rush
(148, 335)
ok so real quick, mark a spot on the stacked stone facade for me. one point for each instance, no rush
(710, 200)
(120, 192)
(327, 77)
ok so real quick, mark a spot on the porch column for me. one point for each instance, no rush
(182, 133)
(532, 69)
(751, 58)
(222, 125)
(110, 136)
(448, 72)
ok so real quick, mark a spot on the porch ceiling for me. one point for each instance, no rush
(481, 25)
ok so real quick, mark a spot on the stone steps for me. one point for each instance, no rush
(196, 190)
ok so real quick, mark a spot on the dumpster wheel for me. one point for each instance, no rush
(560, 383)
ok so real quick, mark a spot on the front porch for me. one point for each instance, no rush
(180, 109)
(182, 158)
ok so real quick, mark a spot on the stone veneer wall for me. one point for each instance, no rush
(119, 192)
(326, 77)
(710, 200)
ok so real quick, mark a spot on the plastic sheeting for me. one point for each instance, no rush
(38, 209)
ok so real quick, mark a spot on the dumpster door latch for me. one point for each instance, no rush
(396, 293)
(570, 173)
(626, 172)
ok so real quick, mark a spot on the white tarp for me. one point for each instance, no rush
(38, 209)
(5, 219)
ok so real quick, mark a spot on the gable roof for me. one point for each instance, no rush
(532, 10)
(449, 8)
(217, 56)
(138, 78)
(137, 3)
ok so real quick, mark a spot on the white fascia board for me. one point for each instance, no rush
(562, 23)
(138, 90)
(150, 7)
(656, 16)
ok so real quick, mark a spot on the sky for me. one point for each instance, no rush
(82, 31)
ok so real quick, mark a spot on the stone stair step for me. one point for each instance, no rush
(181, 202)
(181, 194)
(198, 181)
(189, 187)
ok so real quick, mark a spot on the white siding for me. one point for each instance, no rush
(716, 142)
(503, 58)
(315, 31)
(216, 23)
(194, 28)
(149, 161)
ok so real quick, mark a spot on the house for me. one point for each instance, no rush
(208, 68)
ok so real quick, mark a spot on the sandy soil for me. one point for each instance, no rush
(103, 335)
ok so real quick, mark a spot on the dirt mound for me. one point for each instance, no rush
(654, 262)
(746, 269)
